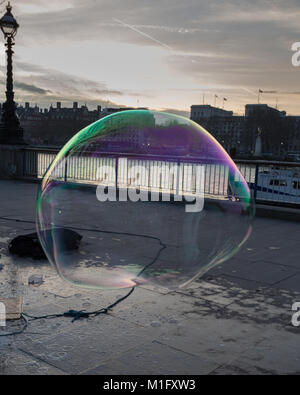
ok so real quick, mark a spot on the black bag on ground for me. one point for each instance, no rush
(30, 246)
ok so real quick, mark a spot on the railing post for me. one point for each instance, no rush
(24, 153)
(117, 171)
(66, 170)
(255, 181)
(178, 178)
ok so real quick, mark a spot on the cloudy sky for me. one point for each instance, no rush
(163, 54)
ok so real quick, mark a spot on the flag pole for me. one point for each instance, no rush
(259, 92)
(215, 102)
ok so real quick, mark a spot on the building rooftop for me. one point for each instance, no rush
(251, 109)
(236, 319)
(199, 111)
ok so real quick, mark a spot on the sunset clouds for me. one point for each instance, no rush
(160, 54)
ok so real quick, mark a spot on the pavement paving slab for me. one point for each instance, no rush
(236, 319)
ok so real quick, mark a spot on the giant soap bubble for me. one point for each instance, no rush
(154, 196)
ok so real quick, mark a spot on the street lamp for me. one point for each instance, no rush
(10, 129)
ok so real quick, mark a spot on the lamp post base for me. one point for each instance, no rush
(13, 136)
(11, 131)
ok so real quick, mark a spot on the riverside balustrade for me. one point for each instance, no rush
(270, 181)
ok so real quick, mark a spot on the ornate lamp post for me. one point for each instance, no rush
(10, 129)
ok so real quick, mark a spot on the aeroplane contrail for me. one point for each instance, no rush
(142, 33)
(248, 90)
(282, 92)
(272, 92)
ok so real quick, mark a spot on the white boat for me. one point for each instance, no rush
(277, 184)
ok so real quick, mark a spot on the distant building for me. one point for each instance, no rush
(111, 110)
(205, 111)
(222, 124)
(255, 109)
(127, 133)
(80, 113)
(57, 124)
(280, 134)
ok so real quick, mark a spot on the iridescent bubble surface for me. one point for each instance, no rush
(153, 197)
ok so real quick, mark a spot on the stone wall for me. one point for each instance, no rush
(11, 161)
(52, 131)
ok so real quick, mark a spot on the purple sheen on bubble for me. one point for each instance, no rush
(154, 197)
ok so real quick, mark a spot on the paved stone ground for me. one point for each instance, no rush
(235, 320)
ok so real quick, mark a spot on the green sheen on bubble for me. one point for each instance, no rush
(142, 197)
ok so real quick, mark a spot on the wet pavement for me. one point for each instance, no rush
(235, 320)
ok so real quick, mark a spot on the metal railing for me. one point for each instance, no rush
(269, 181)
(171, 174)
(272, 181)
(37, 160)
